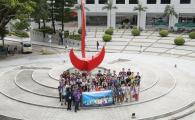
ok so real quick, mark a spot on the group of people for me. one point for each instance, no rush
(125, 85)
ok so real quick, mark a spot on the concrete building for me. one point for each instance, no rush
(125, 13)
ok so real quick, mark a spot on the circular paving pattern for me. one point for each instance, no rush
(34, 85)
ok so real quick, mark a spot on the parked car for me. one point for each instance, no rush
(26, 48)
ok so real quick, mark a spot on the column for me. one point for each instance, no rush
(113, 19)
(142, 20)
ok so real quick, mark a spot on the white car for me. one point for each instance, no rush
(26, 48)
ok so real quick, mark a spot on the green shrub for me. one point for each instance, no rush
(109, 31)
(22, 25)
(134, 27)
(21, 34)
(75, 36)
(179, 41)
(80, 30)
(164, 33)
(47, 30)
(107, 38)
(192, 35)
(135, 32)
(66, 34)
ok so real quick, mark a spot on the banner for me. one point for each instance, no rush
(100, 98)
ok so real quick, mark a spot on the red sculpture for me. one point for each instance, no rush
(84, 63)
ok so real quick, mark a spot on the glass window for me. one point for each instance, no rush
(133, 1)
(102, 1)
(165, 1)
(185, 1)
(151, 1)
(90, 1)
(120, 1)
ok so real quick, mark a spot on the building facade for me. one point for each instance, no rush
(125, 12)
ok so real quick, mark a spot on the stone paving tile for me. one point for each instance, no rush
(140, 37)
(144, 40)
(179, 52)
(139, 44)
(167, 38)
(190, 43)
(186, 36)
(169, 55)
(131, 52)
(119, 39)
(154, 37)
(149, 53)
(192, 55)
(116, 36)
(115, 47)
(163, 45)
(145, 34)
(171, 42)
(128, 37)
(186, 48)
(173, 35)
(112, 51)
(134, 48)
(187, 58)
(160, 50)
(116, 44)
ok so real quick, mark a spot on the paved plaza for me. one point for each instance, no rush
(28, 84)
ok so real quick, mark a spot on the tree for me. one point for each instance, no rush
(52, 14)
(170, 12)
(11, 9)
(41, 12)
(61, 6)
(109, 6)
(140, 9)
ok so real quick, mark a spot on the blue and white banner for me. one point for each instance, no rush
(100, 98)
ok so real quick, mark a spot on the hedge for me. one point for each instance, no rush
(20, 34)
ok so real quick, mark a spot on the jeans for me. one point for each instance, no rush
(76, 106)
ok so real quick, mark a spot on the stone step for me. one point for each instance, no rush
(24, 81)
(9, 89)
(41, 77)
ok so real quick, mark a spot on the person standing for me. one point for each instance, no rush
(69, 98)
(77, 97)
(97, 45)
(61, 37)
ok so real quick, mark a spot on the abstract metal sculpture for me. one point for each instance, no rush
(84, 63)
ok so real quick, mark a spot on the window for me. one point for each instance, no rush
(90, 1)
(151, 1)
(185, 1)
(102, 1)
(120, 1)
(165, 1)
(133, 1)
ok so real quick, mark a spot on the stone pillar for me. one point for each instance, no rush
(142, 20)
(111, 18)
